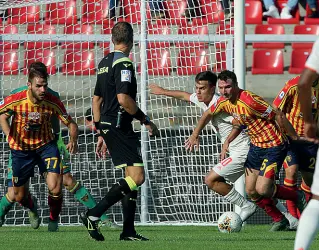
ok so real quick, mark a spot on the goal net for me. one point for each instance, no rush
(182, 37)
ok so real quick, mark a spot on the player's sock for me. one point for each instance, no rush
(129, 207)
(235, 198)
(85, 197)
(55, 204)
(116, 193)
(5, 205)
(28, 202)
(306, 190)
(291, 205)
(284, 193)
(268, 205)
(308, 225)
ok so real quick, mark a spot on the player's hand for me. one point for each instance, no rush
(152, 129)
(155, 89)
(101, 148)
(192, 143)
(223, 153)
(310, 130)
(72, 147)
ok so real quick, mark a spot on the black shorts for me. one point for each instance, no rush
(123, 144)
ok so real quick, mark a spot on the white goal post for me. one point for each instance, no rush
(169, 50)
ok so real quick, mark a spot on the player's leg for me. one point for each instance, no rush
(49, 156)
(306, 184)
(7, 201)
(82, 194)
(290, 181)
(293, 221)
(254, 160)
(265, 186)
(230, 170)
(309, 220)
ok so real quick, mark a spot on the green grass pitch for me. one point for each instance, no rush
(161, 237)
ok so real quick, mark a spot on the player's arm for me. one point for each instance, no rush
(123, 77)
(285, 125)
(4, 123)
(67, 120)
(306, 80)
(193, 140)
(308, 76)
(178, 94)
(236, 130)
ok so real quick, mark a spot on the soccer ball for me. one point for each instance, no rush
(229, 222)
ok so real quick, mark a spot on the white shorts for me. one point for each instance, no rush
(231, 168)
(315, 181)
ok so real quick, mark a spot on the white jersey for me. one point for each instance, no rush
(313, 60)
(223, 123)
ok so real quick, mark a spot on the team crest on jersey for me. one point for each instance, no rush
(34, 116)
(314, 99)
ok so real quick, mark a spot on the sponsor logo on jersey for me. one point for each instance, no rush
(34, 116)
(1, 102)
(126, 75)
(281, 95)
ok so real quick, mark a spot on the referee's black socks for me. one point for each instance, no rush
(129, 207)
(118, 191)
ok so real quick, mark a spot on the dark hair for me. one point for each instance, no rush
(227, 74)
(37, 69)
(88, 115)
(207, 76)
(122, 32)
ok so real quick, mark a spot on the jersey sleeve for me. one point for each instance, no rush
(282, 99)
(98, 86)
(259, 107)
(61, 112)
(218, 106)
(193, 98)
(123, 74)
(6, 105)
(313, 60)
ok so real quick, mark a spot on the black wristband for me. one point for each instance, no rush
(97, 125)
(144, 119)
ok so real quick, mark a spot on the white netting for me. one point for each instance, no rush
(71, 37)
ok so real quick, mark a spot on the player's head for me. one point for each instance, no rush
(122, 36)
(89, 119)
(38, 80)
(227, 83)
(205, 86)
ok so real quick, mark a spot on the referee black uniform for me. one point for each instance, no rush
(116, 75)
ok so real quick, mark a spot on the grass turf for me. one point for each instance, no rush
(161, 237)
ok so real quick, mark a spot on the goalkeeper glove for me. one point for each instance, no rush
(62, 148)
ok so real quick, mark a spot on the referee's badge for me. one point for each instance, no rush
(126, 76)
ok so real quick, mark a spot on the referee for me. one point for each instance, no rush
(114, 108)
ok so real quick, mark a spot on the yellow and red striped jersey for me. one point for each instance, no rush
(256, 114)
(31, 124)
(288, 101)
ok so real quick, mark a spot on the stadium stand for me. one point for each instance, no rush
(268, 61)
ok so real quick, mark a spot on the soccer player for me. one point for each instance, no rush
(268, 146)
(114, 108)
(302, 157)
(232, 167)
(31, 139)
(79, 191)
(309, 220)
